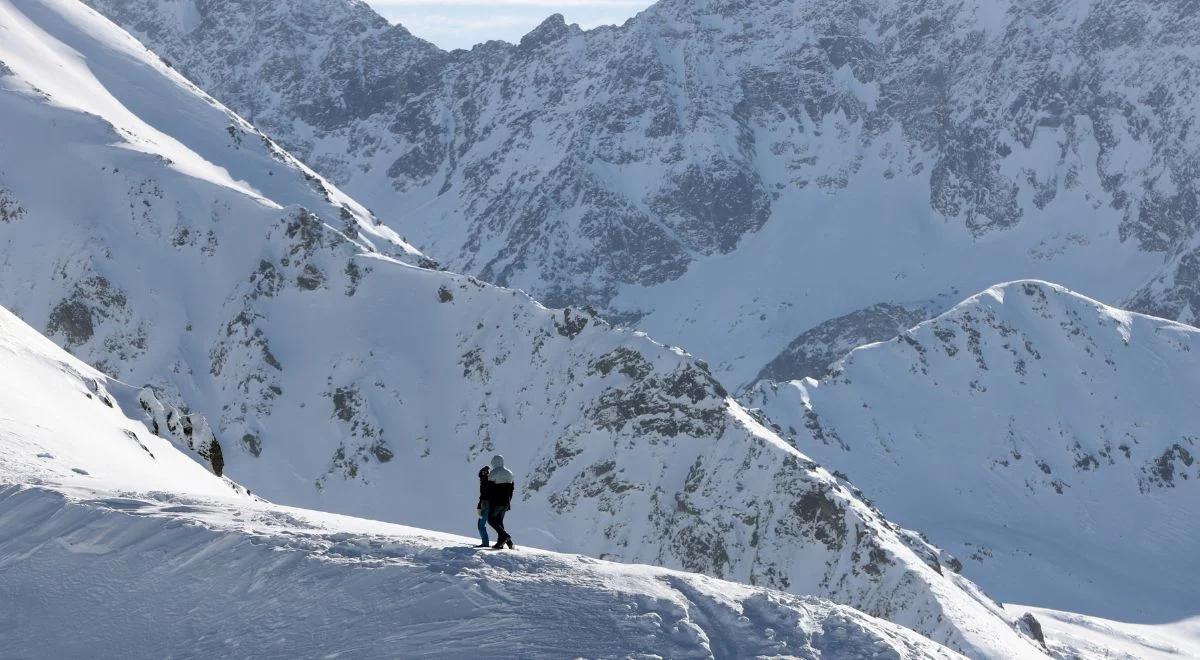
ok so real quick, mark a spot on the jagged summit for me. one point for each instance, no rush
(549, 31)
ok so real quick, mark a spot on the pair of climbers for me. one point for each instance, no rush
(496, 486)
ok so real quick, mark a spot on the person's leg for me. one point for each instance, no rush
(483, 516)
(496, 520)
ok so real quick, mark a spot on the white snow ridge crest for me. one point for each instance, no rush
(730, 176)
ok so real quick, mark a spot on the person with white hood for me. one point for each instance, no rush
(498, 493)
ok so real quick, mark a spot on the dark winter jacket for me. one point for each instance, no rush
(498, 488)
(499, 494)
(483, 482)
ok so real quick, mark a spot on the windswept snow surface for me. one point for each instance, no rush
(115, 545)
(1080, 637)
(107, 575)
(339, 378)
(1049, 441)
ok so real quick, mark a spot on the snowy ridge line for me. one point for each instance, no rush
(1071, 635)
(204, 573)
(1025, 423)
(75, 82)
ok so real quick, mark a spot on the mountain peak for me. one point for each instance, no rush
(553, 29)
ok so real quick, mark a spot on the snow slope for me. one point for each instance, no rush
(1048, 441)
(108, 576)
(136, 101)
(340, 378)
(113, 544)
(730, 176)
(1071, 635)
(62, 424)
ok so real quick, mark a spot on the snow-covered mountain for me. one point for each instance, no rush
(1052, 443)
(113, 544)
(136, 101)
(338, 376)
(734, 175)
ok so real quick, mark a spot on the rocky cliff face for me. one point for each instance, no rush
(731, 175)
(1024, 424)
(339, 375)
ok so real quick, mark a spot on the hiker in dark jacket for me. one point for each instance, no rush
(481, 508)
(498, 497)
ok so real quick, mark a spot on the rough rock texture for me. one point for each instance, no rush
(1175, 292)
(811, 354)
(785, 162)
(190, 433)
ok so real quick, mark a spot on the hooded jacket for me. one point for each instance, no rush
(483, 485)
(499, 487)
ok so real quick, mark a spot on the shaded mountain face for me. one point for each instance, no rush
(164, 549)
(731, 175)
(337, 374)
(813, 353)
(1048, 440)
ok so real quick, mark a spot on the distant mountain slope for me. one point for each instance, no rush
(732, 175)
(337, 377)
(115, 545)
(1049, 441)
